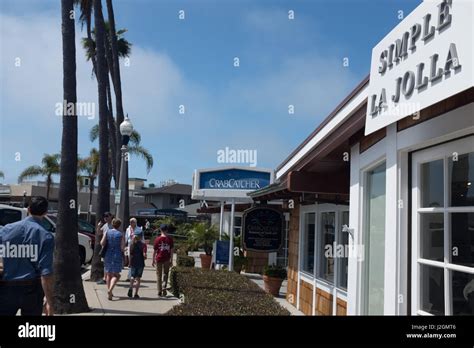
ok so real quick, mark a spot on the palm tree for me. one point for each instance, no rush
(50, 167)
(134, 147)
(90, 166)
(115, 68)
(103, 192)
(2, 175)
(124, 50)
(68, 278)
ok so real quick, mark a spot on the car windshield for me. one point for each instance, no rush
(85, 226)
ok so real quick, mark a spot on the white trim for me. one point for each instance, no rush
(420, 312)
(369, 160)
(438, 129)
(391, 220)
(299, 257)
(355, 102)
(353, 280)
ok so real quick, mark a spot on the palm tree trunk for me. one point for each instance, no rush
(112, 132)
(116, 81)
(91, 192)
(103, 194)
(66, 254)
(48, 186)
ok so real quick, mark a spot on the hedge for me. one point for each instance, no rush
(217, 292)
(185, 261)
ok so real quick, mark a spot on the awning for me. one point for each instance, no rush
(324, 186)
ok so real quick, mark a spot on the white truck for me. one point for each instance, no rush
(9, 214)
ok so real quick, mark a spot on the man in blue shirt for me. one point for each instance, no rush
(27, 250)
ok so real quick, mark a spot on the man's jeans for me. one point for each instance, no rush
(27, 298)
(162, 270)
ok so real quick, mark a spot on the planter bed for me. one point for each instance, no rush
(211, 292)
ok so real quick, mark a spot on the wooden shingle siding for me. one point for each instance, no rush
(323, 302)
(306, 298)
(341, 307)
(293, 255)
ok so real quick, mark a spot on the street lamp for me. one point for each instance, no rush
(121, 198)
(24, 199)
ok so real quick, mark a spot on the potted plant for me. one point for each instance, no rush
(240, 261)
(273, 276)
(202, 236)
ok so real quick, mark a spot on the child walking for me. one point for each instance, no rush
(137, 262)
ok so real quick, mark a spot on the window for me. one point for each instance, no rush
(308, 243)
(237, 225)
(375, 241)
(326, 250)
(85, 226)
(48, 226)
(443, 229)
(7, 216)
(282, 254)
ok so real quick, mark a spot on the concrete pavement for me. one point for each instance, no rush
(121, 304)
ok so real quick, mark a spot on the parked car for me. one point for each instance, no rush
(83, 227)
(9, 214)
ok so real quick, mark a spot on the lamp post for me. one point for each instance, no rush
(122, 205)
(24, 199)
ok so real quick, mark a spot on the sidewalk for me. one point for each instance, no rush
(147, 304)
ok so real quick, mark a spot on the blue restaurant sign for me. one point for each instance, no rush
(221, 252)
(262, 229)
(234, 179)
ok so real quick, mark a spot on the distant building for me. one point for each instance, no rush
(170, 196)
(17, 194)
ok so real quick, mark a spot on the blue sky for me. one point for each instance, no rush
(190, 62)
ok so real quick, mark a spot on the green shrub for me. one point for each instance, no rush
(185, 261)
(274, 271)
(213, 292)
(203, 235)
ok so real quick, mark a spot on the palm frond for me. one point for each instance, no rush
(51, 163)
(94, 133)
(135, 138)
(140, 151)
(30, 172)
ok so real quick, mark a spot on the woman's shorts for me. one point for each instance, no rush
(136, 272)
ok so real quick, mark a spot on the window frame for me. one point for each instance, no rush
(365, 234)
(441, 151)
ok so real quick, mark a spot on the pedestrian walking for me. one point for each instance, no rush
(138, 252)
(129, 236)
(113, 241)
(103, 226)
(147, 225)
(162, 258)
(28, 275)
